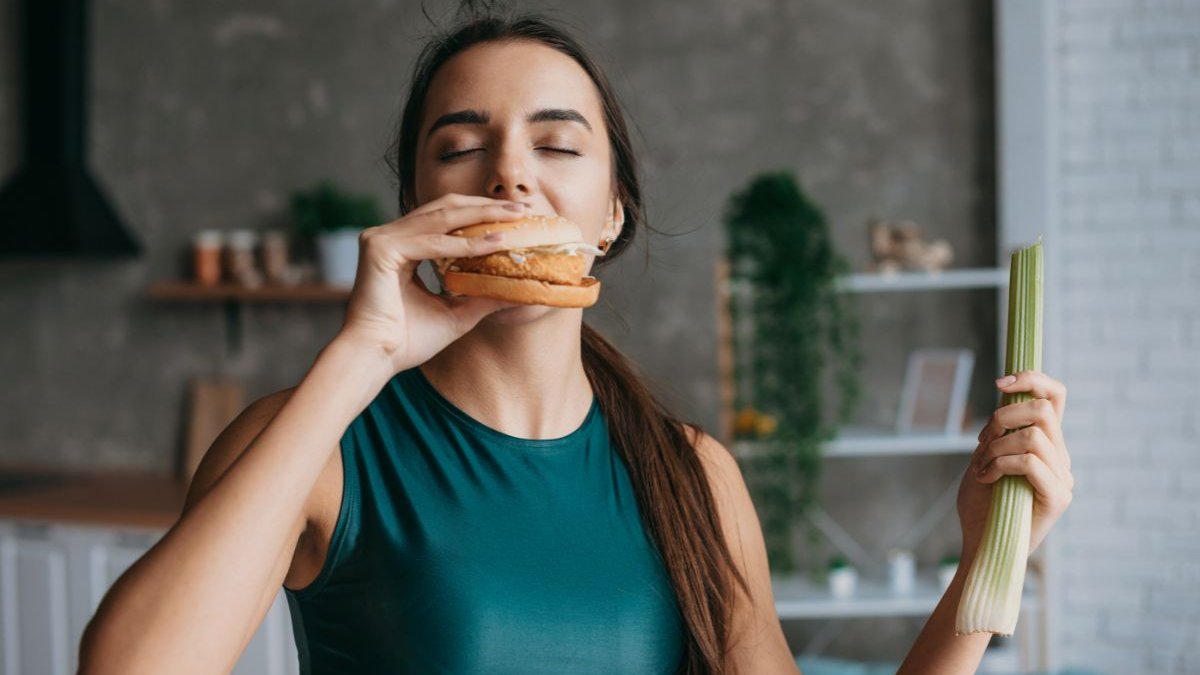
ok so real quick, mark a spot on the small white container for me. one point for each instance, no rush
(946, 572)
(902, 571)
(842, 582)
(338, 254)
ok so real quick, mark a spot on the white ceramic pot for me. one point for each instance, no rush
(842, 582)
(946, 572)
(902, 571)
(338, 254)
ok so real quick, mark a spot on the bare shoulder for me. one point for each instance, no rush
(233, 441)
(735, 509)
(719, 463)
(759, 645)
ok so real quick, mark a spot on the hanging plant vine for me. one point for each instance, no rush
(784, 267)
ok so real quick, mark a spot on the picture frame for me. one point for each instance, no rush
(934, 397)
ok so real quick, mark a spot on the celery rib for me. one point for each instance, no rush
(991, 598)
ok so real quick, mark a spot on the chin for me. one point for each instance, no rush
(523, 314)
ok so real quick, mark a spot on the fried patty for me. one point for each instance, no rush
(557, 268)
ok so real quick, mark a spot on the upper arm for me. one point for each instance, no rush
(224, 452)
(232, 442)
(758, 644)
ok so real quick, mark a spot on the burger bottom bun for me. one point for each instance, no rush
(525, 291)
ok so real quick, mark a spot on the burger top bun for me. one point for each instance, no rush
(528, 231)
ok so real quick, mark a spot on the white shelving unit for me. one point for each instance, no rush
(1027, 176)
(867, 442)
(798, 599)
(984, 277)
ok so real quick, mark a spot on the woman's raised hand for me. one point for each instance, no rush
(390, 308)
(1037, 451)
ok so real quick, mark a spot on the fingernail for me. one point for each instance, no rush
(515, 206)
(493, 236)
(1006, 380)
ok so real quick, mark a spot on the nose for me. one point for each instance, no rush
(509, 178)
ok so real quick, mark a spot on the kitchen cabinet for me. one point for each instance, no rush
(52, 577)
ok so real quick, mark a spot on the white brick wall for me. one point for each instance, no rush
(1128, 196)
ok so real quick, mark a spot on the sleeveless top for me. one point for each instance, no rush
(461, 549)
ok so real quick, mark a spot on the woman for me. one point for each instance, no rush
(463, 485)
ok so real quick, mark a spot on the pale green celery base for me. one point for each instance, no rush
(991, 599)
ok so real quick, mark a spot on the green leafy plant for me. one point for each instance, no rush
(326, 208)
(801, 327)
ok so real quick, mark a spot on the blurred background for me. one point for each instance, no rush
(233, 141)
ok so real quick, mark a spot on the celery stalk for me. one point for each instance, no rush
(991, 598)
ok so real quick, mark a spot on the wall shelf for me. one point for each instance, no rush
(232, 297)
(798, 598)
(870, 442)
(952, 279)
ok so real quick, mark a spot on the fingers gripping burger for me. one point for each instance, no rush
(544, 265)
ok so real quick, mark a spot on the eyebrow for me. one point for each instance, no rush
(481, 117)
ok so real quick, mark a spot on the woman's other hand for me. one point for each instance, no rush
(1037, 450)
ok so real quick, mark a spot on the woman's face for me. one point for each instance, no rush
(519, 121)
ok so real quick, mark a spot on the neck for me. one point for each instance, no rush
(525, 380)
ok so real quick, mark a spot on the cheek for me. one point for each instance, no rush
(433, 181)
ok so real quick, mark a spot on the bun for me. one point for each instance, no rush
(526, 291)
(527, 231)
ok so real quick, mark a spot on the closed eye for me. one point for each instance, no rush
(456, 153)
(446, 156)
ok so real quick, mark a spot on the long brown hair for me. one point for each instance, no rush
(674, 499)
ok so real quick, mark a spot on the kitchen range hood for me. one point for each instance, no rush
(52, 205)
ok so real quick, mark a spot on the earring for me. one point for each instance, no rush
(608, 241)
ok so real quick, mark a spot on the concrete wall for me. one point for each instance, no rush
(207, 114)
(1128, 193)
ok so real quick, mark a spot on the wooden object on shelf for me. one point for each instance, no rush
(184, 291)
(724, 349)
(212, 405)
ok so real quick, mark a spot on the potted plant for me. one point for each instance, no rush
(333, 218)
(792, 328)
(842, 578)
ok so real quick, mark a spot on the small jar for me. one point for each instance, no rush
(946, 571)
(901, 571)
(843, 579)
(240, 263)
(275, 257)
(206, 257)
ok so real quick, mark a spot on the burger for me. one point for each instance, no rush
(544, 265)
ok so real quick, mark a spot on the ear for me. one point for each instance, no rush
(617, 218)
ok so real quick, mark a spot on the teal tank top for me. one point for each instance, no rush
(460, 549)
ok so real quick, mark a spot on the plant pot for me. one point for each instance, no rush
(842, 582)
(337, 251)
